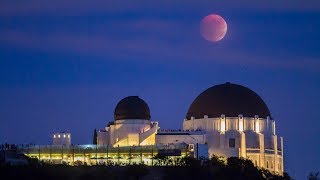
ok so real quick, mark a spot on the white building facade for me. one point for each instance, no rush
(228, 119)
(131, 125)
(62, 138)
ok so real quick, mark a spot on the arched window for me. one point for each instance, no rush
(232, 142)
(267, 164)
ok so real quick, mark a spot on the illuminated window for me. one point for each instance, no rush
(232, 142)
(267, 164)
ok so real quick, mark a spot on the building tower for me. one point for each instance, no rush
(237, 123)
(131, 125)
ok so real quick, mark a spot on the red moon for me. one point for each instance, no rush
(213, 27)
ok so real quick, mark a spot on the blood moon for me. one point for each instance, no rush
(213, 27)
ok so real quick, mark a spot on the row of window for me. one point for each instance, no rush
(58, 136)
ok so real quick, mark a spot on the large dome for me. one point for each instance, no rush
(228, 99)
(132, 107)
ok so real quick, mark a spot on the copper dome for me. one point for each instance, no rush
(132, 107)
(228, 99)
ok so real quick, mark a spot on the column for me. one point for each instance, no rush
(261, 156)
(275, 146)
(243, 148)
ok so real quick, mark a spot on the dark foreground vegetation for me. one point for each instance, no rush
(188, 168)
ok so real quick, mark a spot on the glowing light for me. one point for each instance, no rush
(64, 136)
(59, 136)
(241, 124)
(257, 126)
(54, 136)
(223, 124)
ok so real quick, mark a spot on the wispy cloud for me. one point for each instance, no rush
(150, 48)
(78, 7)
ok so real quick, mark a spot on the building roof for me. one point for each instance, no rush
(228, 99)
(132, 107)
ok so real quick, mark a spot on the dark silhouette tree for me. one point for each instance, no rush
(136, 171)
(313, 176)
(95, 137)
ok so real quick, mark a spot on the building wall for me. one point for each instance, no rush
(252, 138)
(170, 138)
(62, 139)
(231, 123)
(103, 138)
(131, 132)
(246, 137)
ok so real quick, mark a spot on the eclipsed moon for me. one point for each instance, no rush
(213, 27)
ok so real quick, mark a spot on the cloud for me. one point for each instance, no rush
(146, 49)
(80, 7)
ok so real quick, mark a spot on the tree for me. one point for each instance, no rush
(216, 161)
(313, 176)
(95, 137)
(136, 171)
(240, 167)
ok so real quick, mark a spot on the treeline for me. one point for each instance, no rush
(186, 168)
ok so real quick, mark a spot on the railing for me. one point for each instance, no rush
(266, 151)
(89, 149)
(97, 154)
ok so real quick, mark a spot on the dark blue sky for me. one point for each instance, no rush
(64, 65)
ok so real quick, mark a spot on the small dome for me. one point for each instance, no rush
(228, 99)
(132, 107)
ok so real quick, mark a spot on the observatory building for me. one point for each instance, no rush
(225, 120)
(131, 125)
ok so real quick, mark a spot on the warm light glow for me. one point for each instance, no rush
(241, 124)
(257, 125)
(273, 127)
(223, 124)
(59, 136)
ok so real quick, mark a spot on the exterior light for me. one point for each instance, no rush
(257, 124)
(241, 123)
(222, 123)
(64, 136)
(59, 136)
(54, 136)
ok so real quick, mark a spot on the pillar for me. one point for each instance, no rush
(275, 146)
(243, 148)
(261, 147)
(282, 165)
